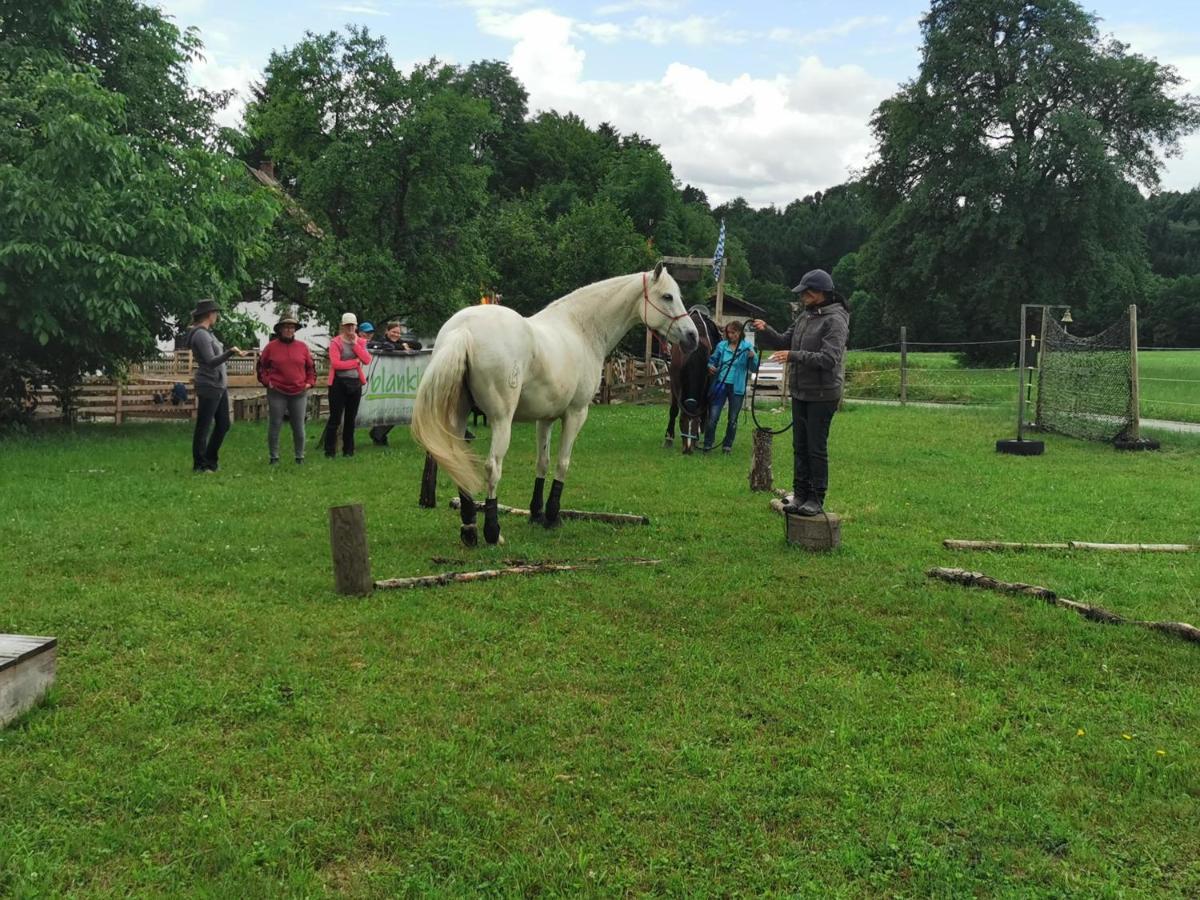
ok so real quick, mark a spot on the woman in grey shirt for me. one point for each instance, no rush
(815, 350)
(211, 384)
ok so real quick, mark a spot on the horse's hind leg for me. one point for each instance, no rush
(669, 440)
(466, 509)
(501, 435)
(543, 464)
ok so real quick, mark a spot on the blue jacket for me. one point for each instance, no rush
(737, 374)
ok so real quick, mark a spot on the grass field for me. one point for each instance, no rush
(745, 719)
(1169, 381)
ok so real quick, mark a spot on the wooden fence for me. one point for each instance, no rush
(119, 402)
(626, 378)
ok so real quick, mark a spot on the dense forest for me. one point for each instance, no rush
(1020, 164)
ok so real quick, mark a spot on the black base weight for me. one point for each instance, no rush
(1020, 448)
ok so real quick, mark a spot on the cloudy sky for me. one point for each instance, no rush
(765, 99)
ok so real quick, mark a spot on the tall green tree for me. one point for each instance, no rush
(389, 166)
(115, 214)
(1007, 170)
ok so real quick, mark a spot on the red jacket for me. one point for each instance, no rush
(336, 362)
(287, 367)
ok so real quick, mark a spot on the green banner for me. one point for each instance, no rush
(391, 387)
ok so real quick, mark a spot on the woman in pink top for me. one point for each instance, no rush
(347, 356)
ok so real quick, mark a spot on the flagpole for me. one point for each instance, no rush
(719, 271)
(721, 294)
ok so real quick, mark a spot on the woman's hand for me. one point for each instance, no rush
(760, 325)
(239, 351)
(712, 370)
(779, 356)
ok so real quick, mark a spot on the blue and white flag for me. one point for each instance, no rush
(719, 253)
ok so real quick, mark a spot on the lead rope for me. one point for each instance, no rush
(754, 393)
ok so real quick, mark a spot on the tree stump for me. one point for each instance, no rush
(820, 533)
(348, 540)
(760, 469)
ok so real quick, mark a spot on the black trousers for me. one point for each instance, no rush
(810, 446)
(212, 414)
(344, 397)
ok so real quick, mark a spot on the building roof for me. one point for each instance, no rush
(737, 303)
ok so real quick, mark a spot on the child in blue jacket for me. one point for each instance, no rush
(730, 365)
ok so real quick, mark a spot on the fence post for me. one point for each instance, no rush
(903, 365)
(117, 416)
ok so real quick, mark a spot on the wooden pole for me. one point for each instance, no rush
(760, 469)
(1135, 412)
(951, 544)
(428, 498)
(118, 416)
(649, 347)
(348, 541)
(488, 574)
(903, 365)
(612, 518)
(1095, 613)
(721, 294)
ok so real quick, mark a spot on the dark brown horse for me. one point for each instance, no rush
(689, 384)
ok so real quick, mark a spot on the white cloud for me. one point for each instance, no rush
(363, 9)
(612, 9)
(812, 38)
(769, 140)
(214, 76)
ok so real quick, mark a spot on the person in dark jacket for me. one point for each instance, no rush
(815, 350)
(212, 386)
(287, 371)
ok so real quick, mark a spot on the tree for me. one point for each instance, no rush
(112, 224)
(1006, 170)
(390, 168)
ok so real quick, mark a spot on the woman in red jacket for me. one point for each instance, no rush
(347, 356)
(286, 369)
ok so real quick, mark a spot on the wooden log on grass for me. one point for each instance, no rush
(952, 544)
(1087, 610)
(348, 542)
(488, 574)
(611, 518)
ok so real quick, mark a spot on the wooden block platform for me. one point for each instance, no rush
(27, 669)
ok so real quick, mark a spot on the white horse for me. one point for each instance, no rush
(535, 369)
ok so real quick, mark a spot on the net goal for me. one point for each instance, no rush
(1087, 386)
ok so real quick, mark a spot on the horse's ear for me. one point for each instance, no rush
(659, 268)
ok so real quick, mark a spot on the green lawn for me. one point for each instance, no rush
(1169, 381)
(746, 719)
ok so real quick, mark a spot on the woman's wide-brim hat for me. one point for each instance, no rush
(204, 307)
(286, 320)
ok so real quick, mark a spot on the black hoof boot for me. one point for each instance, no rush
(552, 519)
(668, 442)
(491, 522)
(536, 516)
(469, 533)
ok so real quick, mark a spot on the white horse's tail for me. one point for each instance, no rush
(436, 408)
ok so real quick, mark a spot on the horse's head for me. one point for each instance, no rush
(663, 311)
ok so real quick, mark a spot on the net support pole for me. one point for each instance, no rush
(1041, 348)
(1021, 378)
(903, 365)
(1135, 414)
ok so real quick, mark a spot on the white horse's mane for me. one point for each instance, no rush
(597, 287)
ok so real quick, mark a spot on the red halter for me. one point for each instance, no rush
(650, 303)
